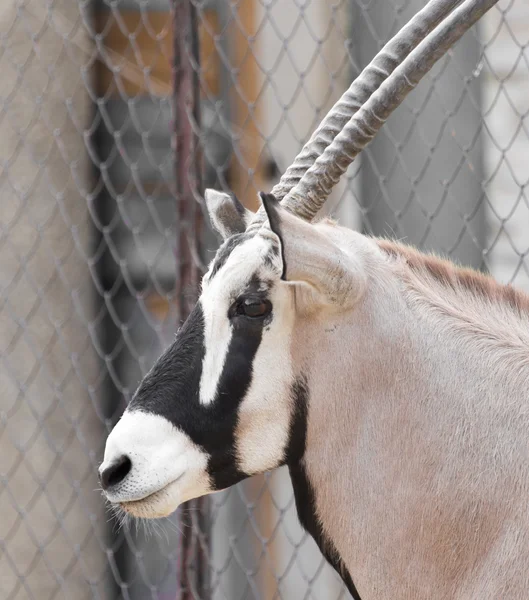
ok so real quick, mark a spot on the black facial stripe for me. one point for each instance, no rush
(225, 251)
(176, 374)
(233, 385)
(303, 490)
(172, 389)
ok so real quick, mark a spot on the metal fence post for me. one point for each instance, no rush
(193, 559)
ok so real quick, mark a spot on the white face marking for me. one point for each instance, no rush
(167, 467)
(264, 416)
(217, 337)
(216, 299)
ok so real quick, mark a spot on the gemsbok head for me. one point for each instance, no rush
(228, 399)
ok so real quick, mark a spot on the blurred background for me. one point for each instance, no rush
(114, 116)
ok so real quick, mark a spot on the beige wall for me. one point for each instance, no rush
(51, 517)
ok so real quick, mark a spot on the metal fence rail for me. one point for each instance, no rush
(108, 111)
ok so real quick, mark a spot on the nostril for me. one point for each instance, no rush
(116, 473)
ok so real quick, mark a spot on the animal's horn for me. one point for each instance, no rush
(382, 65)
(310, 193)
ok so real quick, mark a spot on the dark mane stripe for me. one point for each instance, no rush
(455, 277)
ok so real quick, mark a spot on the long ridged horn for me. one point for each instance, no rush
(309, 195)
(374, 74)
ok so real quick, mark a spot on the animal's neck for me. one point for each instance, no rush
(403, 407)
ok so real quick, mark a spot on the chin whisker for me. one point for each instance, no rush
(172, 525)
(118, 516)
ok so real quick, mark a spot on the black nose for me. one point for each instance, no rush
(116, 473)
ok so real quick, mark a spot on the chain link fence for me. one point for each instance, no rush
(108, 110)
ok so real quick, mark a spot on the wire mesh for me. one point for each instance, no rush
(102, 241)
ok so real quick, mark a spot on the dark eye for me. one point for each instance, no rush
(254, 308)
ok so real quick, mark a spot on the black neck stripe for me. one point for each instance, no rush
(303, 490)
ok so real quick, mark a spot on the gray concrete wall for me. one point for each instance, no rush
(51, 516)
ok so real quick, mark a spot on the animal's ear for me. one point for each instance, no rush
(228, 216)
(312, 256)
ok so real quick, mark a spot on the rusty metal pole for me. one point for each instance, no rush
(194, 550)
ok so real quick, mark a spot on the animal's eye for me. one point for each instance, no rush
(254, 308)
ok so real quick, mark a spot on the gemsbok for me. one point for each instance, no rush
(394, 385)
